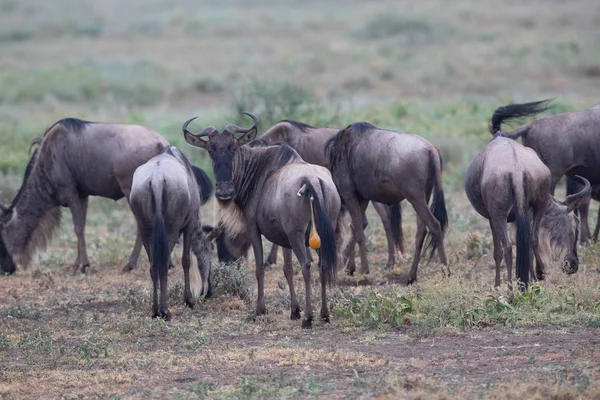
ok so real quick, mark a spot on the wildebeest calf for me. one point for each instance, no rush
(165, 199)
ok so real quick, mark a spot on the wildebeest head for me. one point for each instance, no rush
(222, 148)
(7, 264)
(559, 230)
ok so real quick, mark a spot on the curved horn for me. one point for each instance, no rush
(233, 128)
(206, 132)
(572, 201)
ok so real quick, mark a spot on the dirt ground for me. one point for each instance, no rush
(91, 337)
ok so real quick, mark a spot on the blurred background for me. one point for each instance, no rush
(435, 68)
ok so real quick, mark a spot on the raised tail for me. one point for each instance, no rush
(396, 222)
(520, 206)
(160, 242)
(327, 251)
(515, 111)
(438, 205)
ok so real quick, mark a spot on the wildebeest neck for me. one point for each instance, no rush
(253, 165)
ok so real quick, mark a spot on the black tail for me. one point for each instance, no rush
(160, 243)
(327, 252)
(396, 221)
(514, 111)
(438, 205)
(523, 232)
(204, 183)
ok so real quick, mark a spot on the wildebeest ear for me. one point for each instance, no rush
(574, 200)
(195, 139)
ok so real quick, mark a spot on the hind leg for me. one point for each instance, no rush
(297, 242)
(78, 206)
(433, 225)
(185, 263)
(597, 228)
(288, 270)
(272, 257)
(420, 238)
(384, 214)
(357, 208)
(502, 248)
(584, 209)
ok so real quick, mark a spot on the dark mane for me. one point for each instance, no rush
(73, 124)
(256, 164)
(338, 145)
(28, 170)
(202, 179)
(298, 125)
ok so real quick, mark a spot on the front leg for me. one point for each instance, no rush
(256, 241)
(78, 208)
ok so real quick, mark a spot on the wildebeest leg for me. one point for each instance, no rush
(540, 268)
(357, 208)
(135, 253)
(288, 270)
(299, 247)
(584, 208)
(272, 257)
(348, 257)
(78, 206)
(422, 210)
(256, 241)
(420, 238)
(597, 228)
(502, 248)
(384, 214)
(349, 252)
(185, 263)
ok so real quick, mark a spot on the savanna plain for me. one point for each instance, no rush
(434, 68)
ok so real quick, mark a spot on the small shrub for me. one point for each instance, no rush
(5, 342)
(477, 247)
(389, 306)
(92, 347)
(202, 388)
(39, 340)
(21, 312)
(233, 279)
(208, 85)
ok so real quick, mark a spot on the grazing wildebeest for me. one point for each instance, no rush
(309, 142)
(368, 163)
(507, 182)
(267, 189)
(165, 199)
(567, 143)
(75, 159)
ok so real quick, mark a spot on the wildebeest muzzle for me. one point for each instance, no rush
(224, 191)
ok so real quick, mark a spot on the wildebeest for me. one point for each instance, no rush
(165, 199)
(309, 142)
(567, 143)
(507, 182)
(368, 163)
(75, 159)
(267, 189)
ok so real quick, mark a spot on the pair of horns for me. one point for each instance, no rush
(211, 130)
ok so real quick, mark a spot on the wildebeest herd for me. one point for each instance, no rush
(303, 188)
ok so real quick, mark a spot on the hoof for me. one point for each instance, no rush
(75, 269)
(162, 314)
(307, 323)
(189, 304)
(540, 276)
(260, 311)
(171, 266)
(127, 268)
(350, 272)
(295, 315)
(325, 318)
(390, 265)
(411, 281)
(84, 268)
